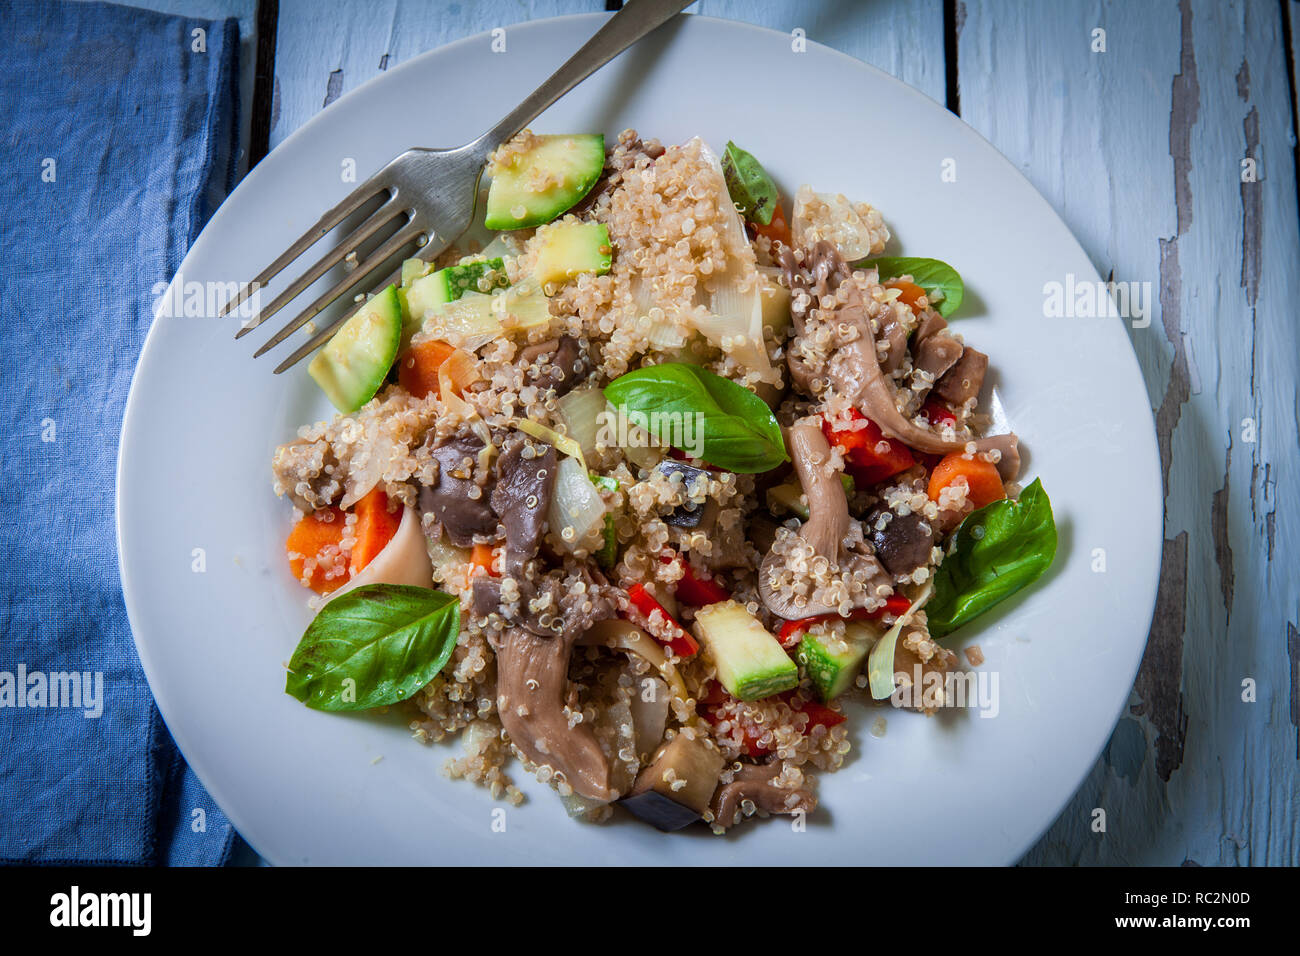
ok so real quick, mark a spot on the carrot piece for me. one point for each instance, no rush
(375, 527)
(481, 557)
(911, 293)
(983, 482)
(317, 536)
(778, 230)
(417, 367)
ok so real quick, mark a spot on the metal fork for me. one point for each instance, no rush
(428, 188)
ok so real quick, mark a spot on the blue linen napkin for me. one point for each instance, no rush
(119, 134)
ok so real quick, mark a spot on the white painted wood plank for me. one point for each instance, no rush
(1140, 150)
(320, 58)
(902, 37)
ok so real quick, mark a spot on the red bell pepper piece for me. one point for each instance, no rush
(868, 454)
(938, 413)
(694, 590)
(791, 631)
(680, 642)
(819, 715)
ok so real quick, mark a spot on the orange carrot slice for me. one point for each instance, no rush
(417, 367)
(481, 557)
(910, 292)
(375, 527)
(317, 537)
(984, 484)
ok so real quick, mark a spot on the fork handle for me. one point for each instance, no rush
(631, 23)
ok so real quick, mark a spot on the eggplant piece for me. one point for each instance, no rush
(689, 514)
(653, 799)
(662, 813)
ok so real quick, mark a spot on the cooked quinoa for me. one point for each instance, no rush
(582, 655)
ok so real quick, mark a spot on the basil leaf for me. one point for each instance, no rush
(703, 414)
(749, 185)
(373, 646)
(929, 274)
(996, 551)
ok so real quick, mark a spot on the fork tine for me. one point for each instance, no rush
(381, 217)
(404, 236)
(325, 334)
(429, 251)
(350, 204)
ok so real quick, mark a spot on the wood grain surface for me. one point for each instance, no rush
(1170, 152)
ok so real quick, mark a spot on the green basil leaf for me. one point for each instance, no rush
(996, 551)
(376, 645)
(749, 185)
(703, 414)
(929, 274)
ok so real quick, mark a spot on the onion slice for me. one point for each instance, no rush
(404, 560)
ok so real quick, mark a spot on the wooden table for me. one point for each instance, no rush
(1164, 134)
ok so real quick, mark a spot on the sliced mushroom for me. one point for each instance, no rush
(564, 366)
(903, 542)
(894, 334)
(755, 783)
(858, 377)
(964, 380)
(455, 499)
(935, 351)
(532, 679)
(827, 531)
(309, 473)
(525, 482)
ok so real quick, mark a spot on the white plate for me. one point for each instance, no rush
(204, 417)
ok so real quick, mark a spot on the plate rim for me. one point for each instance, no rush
(131, 412)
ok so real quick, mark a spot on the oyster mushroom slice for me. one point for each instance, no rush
(532, 676)
(756, 782)
(855, 369)
(521, 498)
(828, 527)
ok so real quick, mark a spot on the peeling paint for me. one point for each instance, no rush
(1184, 110)
(1219, 529)
(1159, 680)
(1252, 215)
(333, 87)
(1293, 653)
(1179, 388)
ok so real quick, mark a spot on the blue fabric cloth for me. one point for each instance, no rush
(119, 139)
